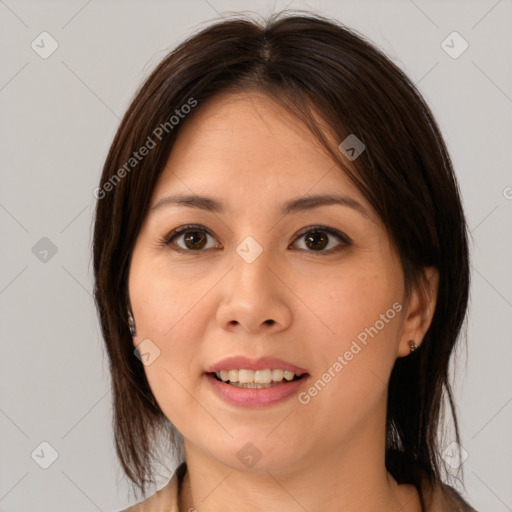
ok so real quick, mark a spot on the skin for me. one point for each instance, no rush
(199, 307)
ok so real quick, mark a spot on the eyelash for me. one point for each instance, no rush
(346, 241)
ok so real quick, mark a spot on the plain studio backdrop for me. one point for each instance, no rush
(61, 102)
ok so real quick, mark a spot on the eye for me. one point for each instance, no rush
(317, 238)
(194, 238)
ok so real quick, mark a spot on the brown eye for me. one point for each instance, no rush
(193, 239)
(317, 238)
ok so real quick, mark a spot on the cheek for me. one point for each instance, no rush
(173, 375)
(169, 313)
(163, 300)
(355, 355)
(355, 303)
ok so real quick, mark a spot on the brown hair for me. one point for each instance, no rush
(312, 66)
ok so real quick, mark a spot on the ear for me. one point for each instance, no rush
(420, 311)
(131, 324)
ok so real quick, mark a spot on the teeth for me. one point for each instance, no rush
(277, 375)
(243, 376)
(263, 376)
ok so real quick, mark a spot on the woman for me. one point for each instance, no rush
(282, 273)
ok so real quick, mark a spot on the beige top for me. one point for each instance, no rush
(439, 499)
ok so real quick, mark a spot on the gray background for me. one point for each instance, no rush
(59, 116)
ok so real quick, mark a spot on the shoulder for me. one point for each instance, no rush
(440, 497)
(164, 500)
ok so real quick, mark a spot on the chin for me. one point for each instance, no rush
(253, 454)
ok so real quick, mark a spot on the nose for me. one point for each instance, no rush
(255, 298)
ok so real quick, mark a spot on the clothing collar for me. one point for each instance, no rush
(434, 498)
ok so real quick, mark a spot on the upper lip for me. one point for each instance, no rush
(245, 363)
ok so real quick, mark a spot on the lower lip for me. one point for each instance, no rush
(247, 397)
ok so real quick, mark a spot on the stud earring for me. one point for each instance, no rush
(412, 345)
(131, 324)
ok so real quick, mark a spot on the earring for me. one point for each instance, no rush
(412, 345)
(131, 324)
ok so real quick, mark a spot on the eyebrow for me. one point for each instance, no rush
(300, 204)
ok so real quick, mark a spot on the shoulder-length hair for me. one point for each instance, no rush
(314, 67)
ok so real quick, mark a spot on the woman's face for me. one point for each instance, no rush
(253, 279)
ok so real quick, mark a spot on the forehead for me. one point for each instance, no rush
(249, 148)
(231, 124)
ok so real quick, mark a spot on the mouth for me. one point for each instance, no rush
(245, 382)
(236, 392)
